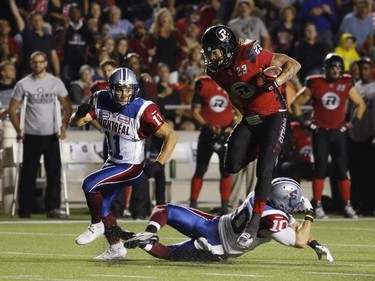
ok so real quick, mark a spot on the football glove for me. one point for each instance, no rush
(83, 109)
(306, 206)
(151, 169)
(321, 250)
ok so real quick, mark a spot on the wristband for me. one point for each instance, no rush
(301, 120)
(309, 217)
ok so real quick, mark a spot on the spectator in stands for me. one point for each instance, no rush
(40, 135)
(60, 13)
(192, 14)
(5, 36)
(216, 116)
(101, 55)
(359, 24)
(121, 49)
(116, 24)
(167, 95)
(248, 27)
(109, 44)
(329, 94)
(361, 144)
(7, 83)
(310, 53)
(354, 71)
(285, 32)
(34, 39)
(346, 50)
(6, 53)
(77, 40)
(95, 12)
(323, 14)
(80, 90)
(167, 44)
(209, 13)
(192, 34)
(138, 43)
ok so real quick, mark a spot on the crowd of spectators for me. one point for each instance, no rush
(163, 36)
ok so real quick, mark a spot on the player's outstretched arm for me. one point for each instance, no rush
(81, 116)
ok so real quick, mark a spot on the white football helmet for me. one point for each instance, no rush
(286, 195)
(123, 77)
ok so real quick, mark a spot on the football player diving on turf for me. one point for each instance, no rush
(214, 238)
(126, 121)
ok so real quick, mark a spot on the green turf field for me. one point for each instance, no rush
(44, 250)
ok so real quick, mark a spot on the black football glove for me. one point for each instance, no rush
(83, 109)
(151, 169)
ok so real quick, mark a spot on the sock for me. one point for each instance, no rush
(94, 203)
(110, 222)
(225, 188)
(318, 185)
(195, 188)
(158, 218)
(344, 188)
(158, 251)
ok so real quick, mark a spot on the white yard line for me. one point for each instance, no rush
(340, 273)
(35, 277)
(237, 275)
(124, 276)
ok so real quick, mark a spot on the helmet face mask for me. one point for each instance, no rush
(219, 45)
(122, 80)
(286, 195)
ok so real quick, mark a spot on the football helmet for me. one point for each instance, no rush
(331, 60)
(222, 38)
(286, 195)
(123, 77)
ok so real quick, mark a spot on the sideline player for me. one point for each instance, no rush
(214, 238)
(240, 68)
(126, 121)
(329, 93)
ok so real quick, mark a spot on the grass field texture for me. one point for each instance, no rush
(44, 250)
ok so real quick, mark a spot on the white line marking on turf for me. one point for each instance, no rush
(33, 277)
(345, 228)
(35, 234)
(340, 273)
(124, 276)
(41, 254)
(236, 275)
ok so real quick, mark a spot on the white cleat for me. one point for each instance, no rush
(320, 214)
(113, 252)
(93, 231)
(245, 240)
(350, 213)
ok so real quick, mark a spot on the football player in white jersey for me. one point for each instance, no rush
(126, 121)
(214, 238)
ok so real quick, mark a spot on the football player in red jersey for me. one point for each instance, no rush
(214, 238)
(329, 93)
(212, 110)
(240, 69)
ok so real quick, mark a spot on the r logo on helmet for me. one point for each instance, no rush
(223, 35)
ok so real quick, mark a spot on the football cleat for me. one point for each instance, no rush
(141, 240)
(350, 213)
(244, 241)
(113, 252)
(95, 230)
(323, 251)
(320, 214)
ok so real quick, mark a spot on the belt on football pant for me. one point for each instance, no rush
(254, 119)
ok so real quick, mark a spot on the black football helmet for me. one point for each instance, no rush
(331, 60)
(218, 37)
(123, 77)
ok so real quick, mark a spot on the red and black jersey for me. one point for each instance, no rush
(301, 141)
(240, 80)
(216, 107)
(329, 99)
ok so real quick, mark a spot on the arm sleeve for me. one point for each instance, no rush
(150, 121)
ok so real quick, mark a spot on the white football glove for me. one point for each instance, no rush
(323, 251)
(305, 205)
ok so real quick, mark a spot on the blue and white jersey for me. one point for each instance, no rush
(274, 225)
(126, 130)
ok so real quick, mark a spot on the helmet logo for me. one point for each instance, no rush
(223, 35)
